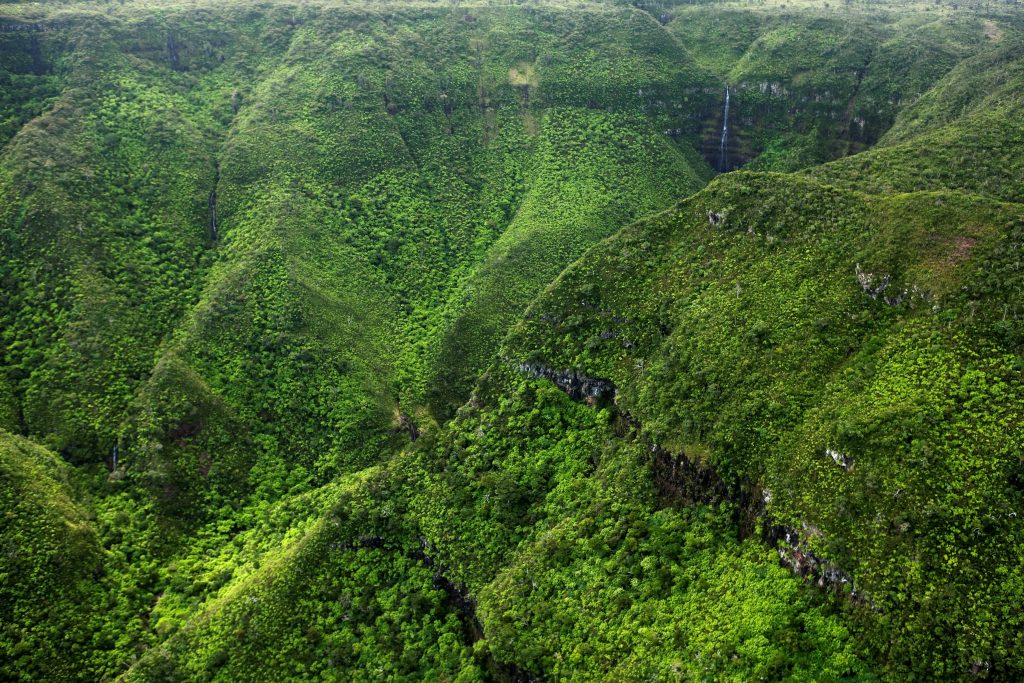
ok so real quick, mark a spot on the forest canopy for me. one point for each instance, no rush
(511, 341)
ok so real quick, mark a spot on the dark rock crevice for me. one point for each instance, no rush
(408, 426)
(213, 209)
(457, 599)
(681, 481)
(39, 65)
(37, 27)
(853, 127)
(578, 386)
(804, 563)
(172, 53)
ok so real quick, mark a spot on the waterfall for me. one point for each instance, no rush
(213, 215)
(722, 158)
(214, 233)
(113, 457)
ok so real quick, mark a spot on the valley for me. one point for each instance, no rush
(488, 341)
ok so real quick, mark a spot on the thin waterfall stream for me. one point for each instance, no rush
(213, 215)
(722, 154)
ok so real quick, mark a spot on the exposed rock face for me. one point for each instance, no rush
(172, 53)
(680, 480)
(408, 426)
(802, 562)
(32, 28)
(841, 459)
(873, 285)
(723, 152)
(578, 386)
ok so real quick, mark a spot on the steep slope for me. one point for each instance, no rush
(353, 204)
(30, 76)
(964, 135)
(238, 243)
(319, 172)
(852, 362)
(583, 567)
(346, 593)
(51, 557)
(810, 85)
(102, 233)
(256, 257)
(592, 173)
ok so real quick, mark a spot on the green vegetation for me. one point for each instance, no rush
(51, 555)
(882, 423)
(421, 341)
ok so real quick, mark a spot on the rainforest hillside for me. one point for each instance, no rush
(511, 341)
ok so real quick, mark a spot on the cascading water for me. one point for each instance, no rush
(213, 215)
(722, 155)
(214, 233)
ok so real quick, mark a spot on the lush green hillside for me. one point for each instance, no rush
(832, 358)
(965, 134)
(419, 341)
(48, 597)
(810, 85)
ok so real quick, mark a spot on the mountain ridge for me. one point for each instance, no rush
(422, 341)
